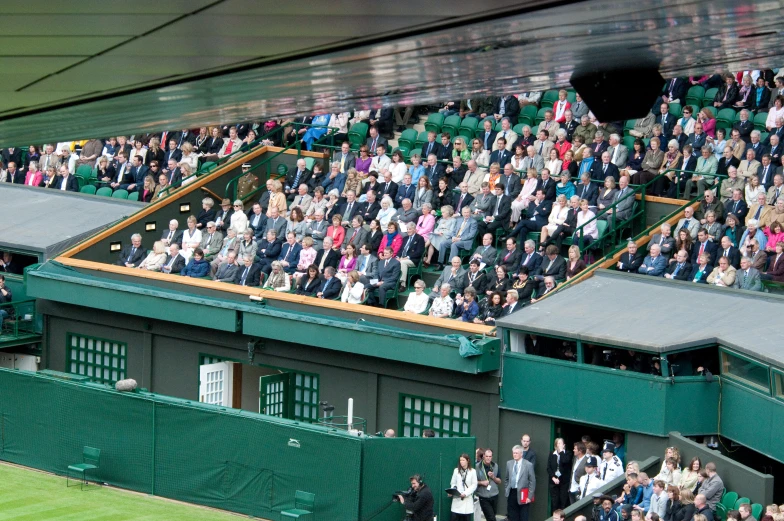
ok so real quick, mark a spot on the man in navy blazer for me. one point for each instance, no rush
(587, 190)
(388, 276)
(65, 181)
(535, 217)
(731, 252)
(138, 171)
(249, 273)
(704, 245)
(132, 255)
(406, 190)
(654, 263)
(331, 286)
(289, 253)
(531, 259)
(411, 251)
(666, 120)
(604, 168)
(488, 136)
(501, 156)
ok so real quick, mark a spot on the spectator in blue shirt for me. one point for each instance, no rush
(466, 308)
(647, 491)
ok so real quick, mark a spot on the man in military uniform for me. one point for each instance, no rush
(590, 481)
(247, 183)
(611, 466)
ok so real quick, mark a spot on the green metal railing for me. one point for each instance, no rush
(21, 321)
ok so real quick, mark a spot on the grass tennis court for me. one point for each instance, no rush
(27, 495)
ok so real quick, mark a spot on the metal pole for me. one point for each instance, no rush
(152, 492)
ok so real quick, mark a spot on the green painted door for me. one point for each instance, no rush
(275, 395)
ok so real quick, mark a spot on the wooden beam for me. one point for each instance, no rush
(453, 325)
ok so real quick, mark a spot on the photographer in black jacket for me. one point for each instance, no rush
(419, 502)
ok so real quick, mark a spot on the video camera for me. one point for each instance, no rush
(405, 494)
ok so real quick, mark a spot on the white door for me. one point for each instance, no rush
(215, 383)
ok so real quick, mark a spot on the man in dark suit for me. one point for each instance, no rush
(331, 286)
(737, 206)
(138, 172)
(370, 208)
(445, 153)
(507, 107)
(510, 257)
(171, 153)
(15, 174)
(475, 277)
(406, 190)
(731, 252)
(501, 156)
(536, 216)
(776, 150)
(133, 255)
(268, 251)
(666, 120)
(488, 136)
(388, 276)
(411, 251)
(463, 198)
(631, 260)
(703, 245)
(604, 168)
(766, 171)
(744, 126)
(680, 269)
(350, 208)
(249, 273)
(223, 216)
(174, 173)
(175, 262)
(546, 185)
(184, 136)
(599, 145)
(674, 90)
(345, 157)
(12, 155)
(511, 181)
(499, 212)
(327, 255)
(433, 170)
(374, 140)
(727, 160)
(257, 221)
(289, 253)
(388, 187)
(530, 259)
(431, 146)
(65, 181)
(552, 266)
(172, 235)
(587, 190)
(297, 176)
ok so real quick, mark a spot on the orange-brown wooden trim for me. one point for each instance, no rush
(455, 325)
(218, 198)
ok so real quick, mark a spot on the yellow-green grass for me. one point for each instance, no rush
(28, 495)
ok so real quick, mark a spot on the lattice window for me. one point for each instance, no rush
(102, 360)
(447, 419)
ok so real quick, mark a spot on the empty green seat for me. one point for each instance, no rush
(357, 134)
(468, 127)
(548, 98)
(105, 191)
(408, 138)
(759, 121)
(695, 96)
(133, 196)
(309, 162)
(540, 115)
(451, 124)
(304, 503)
(707, 98)
(726, 117)
(434, 122)
(120, 194)
(729, 499)
(421, 139)
(87, 189)
(528, 115)
(676, 109)
(90, 459)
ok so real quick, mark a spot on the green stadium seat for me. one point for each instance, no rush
(548, 98)
(120, 194)
(741, 501)
(408, 138)
(726, 117)
(540, 115)
(497, 126)
(82, 181)
(729, 499)
(434, 122)
(676, 109)
(415, 152)
(403, 150)
(468, 127)
(84, 171)
(309, 162)
(628, 142)
(133, 196)
(707, 98)
(764, 136)
(695, 96)
(451, 124)
(91, 458)
(518, 129)
(571, 95)
(105, 191)
(357, 134)
(756, 510)
(87, 189)
(528, 115)
(304, 503)
(422, 139)
(207, 166)
(759, 121)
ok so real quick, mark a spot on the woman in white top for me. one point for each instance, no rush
(189, 157)
(353, 290)
(590, 233)
(191, 238)
(155, 258)
(480, 155)
(386, 213)
(138, 150)
(774, 112)
(464, 480)
(670, 474)
(753, 189)
(557, 217)
(239, 221)
(398, 167)
(417, 301)
(553, 164)
(339, 122)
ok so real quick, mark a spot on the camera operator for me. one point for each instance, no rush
(418, 501)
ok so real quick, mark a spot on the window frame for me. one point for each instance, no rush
(90, 362)
(409, 428)
(749, 384)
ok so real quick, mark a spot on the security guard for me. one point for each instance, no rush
(247, 183)
(611, 466)
(590, 481)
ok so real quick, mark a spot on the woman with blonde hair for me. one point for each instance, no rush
(189, 157)
(154, 152)
(352, 183)
(277, 199)
(557, 217)
(155, 259)
(187, 174)
(148, 190)
(576, 263)
(480, 155)
(688, 508)
(526, 194)
(494, 176)
(461, 149)
(191, 237)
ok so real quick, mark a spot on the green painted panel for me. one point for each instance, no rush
(526, 378)
(752, 419)
(149, 305)
(412, 350)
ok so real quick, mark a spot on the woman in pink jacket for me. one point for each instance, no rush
(34, 176)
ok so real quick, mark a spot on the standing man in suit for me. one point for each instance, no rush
(499, 212)
(578, 470)
(619, 154)
(133, 255)
(747, 277)
(388, 277)
(411, 251)
(519, 476)
(674, 90)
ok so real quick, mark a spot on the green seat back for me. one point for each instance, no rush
(741, 501)
(497, 126)
(282, 170)
(756, 510)
(676, 109)
(434, 122)
(707, 98)
(133, 196)
(91, 455)
(120, 194)
(358, 133)
(695, 95)
(528, 114)
(422, 139)
(571, 95)
(629, 124)
(518, 129)
(408, 138)
(759, 121)
(451, 124)
(415, 151)
(105, 191)
(601, 226)
(548, 98)
(207, 166)
(628, 142)
(468, 127)
(87, 189)
(84, 171)
(729, 499)
(726, 116)
(540, 115)
(309, 162)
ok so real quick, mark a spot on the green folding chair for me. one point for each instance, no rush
(304, 503)
(707, 98)
(357, 134)
(695, 96)
(548, 98)
(90, 459)
(528, 115)
(468, 127)
(133, 196)
(84, 171)
(729, 499)
(741, 501)
(676, 109)
(451, 124)
(759, 121)
(408, 138)
(421, 139)
(540, 115)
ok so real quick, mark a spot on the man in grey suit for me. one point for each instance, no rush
(485, 253)
(452, 275)
(532, 160)
(211, 241)
(482, 202)
(276, 222)
(747, 277)
(619, 154)
(691, 223)
(519, 476)
(367, 264)
(317, 229)
(464, 237)
(345, 157)
(624, 209)
(356, 235)
(227, 271)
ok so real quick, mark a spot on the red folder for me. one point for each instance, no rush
(524, 495)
